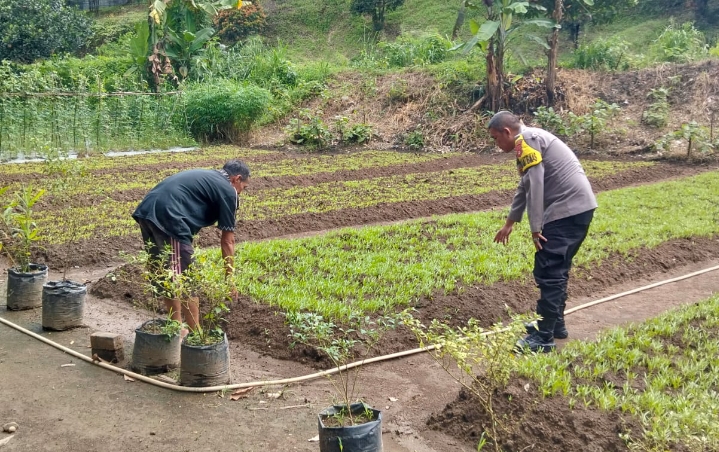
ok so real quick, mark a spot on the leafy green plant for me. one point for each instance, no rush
(352, 340)
(550, 120)
(224, 109)
(359, 133)
(408, 51)
(480, 359)
(680, 44)
(138, 48)
(696, 136)
(657, 113)
(675, 390)
(185, 46)
(308, 129)
(355, 133)
(206, 278)
(19, 231)
(603, 54)
(414, 139)
(594, 122)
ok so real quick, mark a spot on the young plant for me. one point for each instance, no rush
(18, 231)
(657, 113)
(480, 359)
(308, 129)
(695, 135)
(343, 344)
(67, 177)
(549, 120)
(359, 133)
(160, 282)
(205, 278)
(594, 122)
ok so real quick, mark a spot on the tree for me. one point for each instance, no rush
(33, 29)
(376, 9)
(460, 19)
(178, 33)
(577, 13)
(553, 41)
(492, 37)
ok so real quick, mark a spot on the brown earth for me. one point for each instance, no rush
(65, 409)
(263, 329)
(529, 422)
(102, 250)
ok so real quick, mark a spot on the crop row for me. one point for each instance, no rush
(262, 163)
(110, 217)
(376, 268)
(663, 372)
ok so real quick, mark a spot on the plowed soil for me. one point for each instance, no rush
(104, 250)
(261, 328)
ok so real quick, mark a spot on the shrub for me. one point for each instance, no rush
(235, 25)
(33, 29)
(308, 129)
(405, 52)
(550, 120)
(359, 133)
(680, 44)
(605, 54)
(224, 109)
(657, 113)
(696, 136)
(414, 140)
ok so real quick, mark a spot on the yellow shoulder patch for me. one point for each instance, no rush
(527, 156)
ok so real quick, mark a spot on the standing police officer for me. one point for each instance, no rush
(560, 205)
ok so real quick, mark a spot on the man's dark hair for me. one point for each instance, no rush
(237, 167)
(504, 119)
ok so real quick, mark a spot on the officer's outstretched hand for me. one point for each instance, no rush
(503, 235)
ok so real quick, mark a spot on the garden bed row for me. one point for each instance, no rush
(449, 268)
(106, 226)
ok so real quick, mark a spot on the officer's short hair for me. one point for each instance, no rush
(504, 119)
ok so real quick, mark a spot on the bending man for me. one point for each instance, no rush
(178, 207)
(560, 205)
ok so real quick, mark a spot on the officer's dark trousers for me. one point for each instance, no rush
(552, 263)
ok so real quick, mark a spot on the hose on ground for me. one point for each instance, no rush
(323, 373)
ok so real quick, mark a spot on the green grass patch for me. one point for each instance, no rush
(664, 372)
(376, 268)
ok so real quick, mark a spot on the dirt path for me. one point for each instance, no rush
(83, 407)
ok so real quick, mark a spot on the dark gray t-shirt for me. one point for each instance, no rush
(188, 201)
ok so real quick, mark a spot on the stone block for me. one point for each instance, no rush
(107, 346)
(105, 341)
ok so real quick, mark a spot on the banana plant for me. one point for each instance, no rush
(158, 8)
(139, 48)
(492, 37)
(172, 42)
(182, 47)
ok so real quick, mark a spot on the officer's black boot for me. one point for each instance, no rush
(560, 329)
(540, 340)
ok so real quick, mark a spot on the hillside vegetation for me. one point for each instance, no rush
(325, 77)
